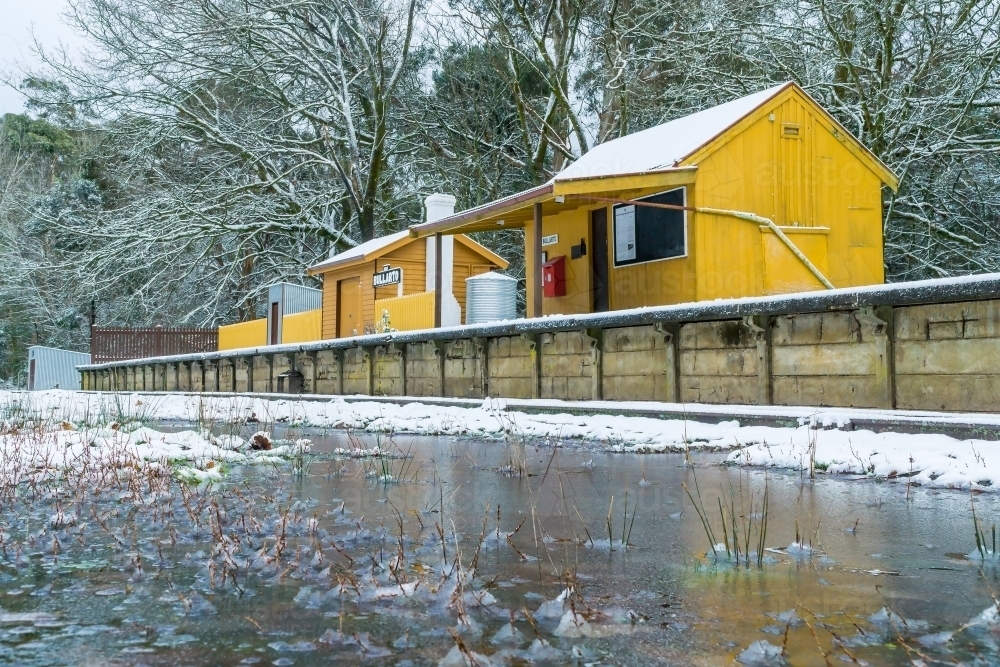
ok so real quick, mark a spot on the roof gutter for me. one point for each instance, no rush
(454, 222)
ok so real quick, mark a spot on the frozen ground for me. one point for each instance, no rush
(38, 435)
(926, 459)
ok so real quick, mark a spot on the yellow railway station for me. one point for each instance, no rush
(766, 194)
(399, 280)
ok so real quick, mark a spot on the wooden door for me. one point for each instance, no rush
(349, 308)
(460, 273)
(31, 375)
(599, 258)
(274, 324)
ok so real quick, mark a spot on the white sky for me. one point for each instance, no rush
(18, 19)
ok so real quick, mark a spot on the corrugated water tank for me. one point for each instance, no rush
(490, 297)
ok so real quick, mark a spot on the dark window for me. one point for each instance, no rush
(646, 234)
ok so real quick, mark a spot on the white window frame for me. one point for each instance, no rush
(614, 231)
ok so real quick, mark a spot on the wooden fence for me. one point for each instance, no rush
(118, 343)
(408, 313)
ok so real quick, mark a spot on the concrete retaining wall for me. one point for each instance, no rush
(922, 356)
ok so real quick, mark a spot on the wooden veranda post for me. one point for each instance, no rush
(536, 262)
(438, 280)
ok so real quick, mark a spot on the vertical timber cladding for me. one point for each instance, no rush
(511, 363)
(947, 356)
(389, 371)
(640, 364)
(423, 369)
(570, 365)
(832, 359)
(721, 362)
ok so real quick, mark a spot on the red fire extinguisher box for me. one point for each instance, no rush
(554, 277)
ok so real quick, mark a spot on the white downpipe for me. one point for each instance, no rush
(436, 207)
(742, 215)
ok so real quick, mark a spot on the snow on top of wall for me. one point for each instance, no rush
(359, 251)
(664, 145)
(934, 290)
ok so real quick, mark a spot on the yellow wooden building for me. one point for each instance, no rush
(766, 194)
(395, 274)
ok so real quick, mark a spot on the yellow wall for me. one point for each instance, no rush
(407, 313)
(656, 283)
(244, 334)
(302, 327)
(571, 226)
(811, 181)
(783, 271)
(650, 284)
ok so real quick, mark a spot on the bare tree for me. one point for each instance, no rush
(246, 138)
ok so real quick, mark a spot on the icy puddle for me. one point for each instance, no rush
(428, 551)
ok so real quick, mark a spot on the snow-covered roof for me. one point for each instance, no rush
(359, 252)
(664, 146)
(659, 149)
(384, 244)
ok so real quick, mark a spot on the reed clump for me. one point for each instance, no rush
(743, 518)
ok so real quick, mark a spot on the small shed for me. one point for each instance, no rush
(395, 275)
(766, 194)
(54, 368)
(285, 300)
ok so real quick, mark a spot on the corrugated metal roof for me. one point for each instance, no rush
(294, 298)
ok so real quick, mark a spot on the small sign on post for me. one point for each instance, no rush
(387, 277)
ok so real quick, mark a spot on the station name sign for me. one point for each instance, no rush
(387, 277)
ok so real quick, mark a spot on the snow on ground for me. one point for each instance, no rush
(57, 430)
(930, 460)
(191, 455)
